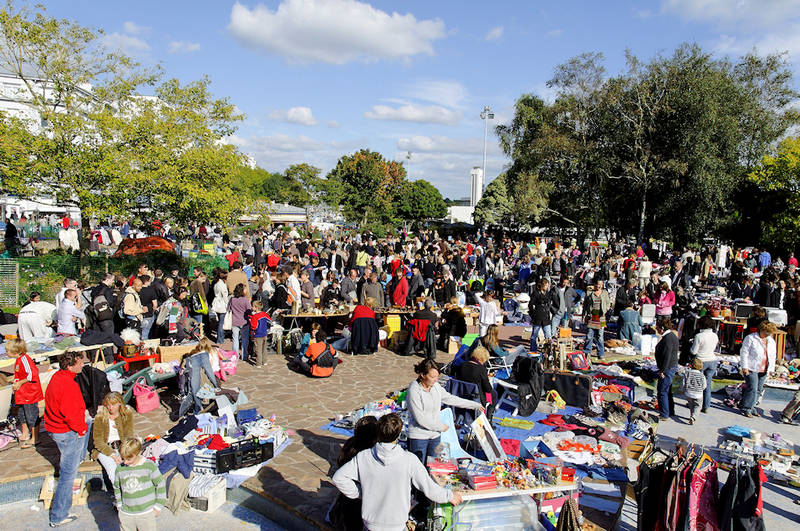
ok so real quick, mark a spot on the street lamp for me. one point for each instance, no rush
(486, 115)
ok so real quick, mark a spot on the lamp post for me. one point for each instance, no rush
(486, 115)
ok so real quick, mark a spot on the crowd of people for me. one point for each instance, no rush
(274, 274)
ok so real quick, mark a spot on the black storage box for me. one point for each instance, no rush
(243, 454)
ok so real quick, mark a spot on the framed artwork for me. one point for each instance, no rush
(486, 437)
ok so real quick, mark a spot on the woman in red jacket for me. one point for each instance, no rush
(27, 392)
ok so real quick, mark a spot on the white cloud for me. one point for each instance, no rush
(441, 92)
(183, 46)
(495, 33)
(333, 31)
(277, 152)
(276, 142)
(449, 172)
(333, 124)
(132, 28)
(433, 114)
(779, 41)
(555, 32)
(125, 43)
(746, 12)
(444, 144)
(295, 115)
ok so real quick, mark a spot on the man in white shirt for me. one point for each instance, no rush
(69, 313)
(35, 319)
(69, 283)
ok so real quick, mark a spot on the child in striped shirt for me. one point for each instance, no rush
(140, 489)
(694, 383)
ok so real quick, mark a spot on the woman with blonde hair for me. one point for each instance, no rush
(474, 371)
(194, 364)
(112, 424)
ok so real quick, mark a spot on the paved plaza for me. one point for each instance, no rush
(296, 482)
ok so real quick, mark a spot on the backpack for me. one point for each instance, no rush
(102, 310)
(325, 360)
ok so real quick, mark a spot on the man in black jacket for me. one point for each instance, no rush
(680, 277)
(666, 355)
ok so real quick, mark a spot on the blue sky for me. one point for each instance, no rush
(321, 78)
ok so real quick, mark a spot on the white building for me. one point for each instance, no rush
(460, 214)
(476, 177)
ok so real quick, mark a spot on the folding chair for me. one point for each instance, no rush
(450, 436)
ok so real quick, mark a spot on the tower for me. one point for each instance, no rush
(476, 177)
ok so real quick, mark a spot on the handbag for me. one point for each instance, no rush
(227, 322)
(146, 397)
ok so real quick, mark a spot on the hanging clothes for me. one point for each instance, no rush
(740, 503)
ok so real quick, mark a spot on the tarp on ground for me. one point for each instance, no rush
(130, 246)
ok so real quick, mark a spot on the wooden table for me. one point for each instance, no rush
(42, 356)
(295, 316)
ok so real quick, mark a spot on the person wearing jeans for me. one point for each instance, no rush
(756, 360)
(65, 419)
(540, 309)
(704, 348)
(238, 305)
(196, 364)
(666, 355)
(595, 307)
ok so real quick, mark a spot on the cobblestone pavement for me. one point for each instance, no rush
(298, 477)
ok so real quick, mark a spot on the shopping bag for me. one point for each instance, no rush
(146, 397)
(227, 323)
(229, 365)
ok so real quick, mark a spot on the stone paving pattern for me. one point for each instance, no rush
(298, 478)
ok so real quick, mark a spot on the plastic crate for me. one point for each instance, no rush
(243, 454)
(213, 500)
(205, 462)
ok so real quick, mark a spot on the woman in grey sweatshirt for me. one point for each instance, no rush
(424, 400)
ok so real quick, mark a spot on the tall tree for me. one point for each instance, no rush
(778, 177)
(495, 206)
(366, 186)
(420, 201)
(100, 145)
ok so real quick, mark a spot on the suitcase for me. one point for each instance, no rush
(575, 389)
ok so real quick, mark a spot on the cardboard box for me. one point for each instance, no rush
(399, 339)
(80, 492)
(167, 354)
(213, 500)
(453, 346)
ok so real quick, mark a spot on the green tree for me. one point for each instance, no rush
(495, 207)
(174, 157)
(778, 177)
(420, 201)
(366, 186)
(105, 148)
(307, 176)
